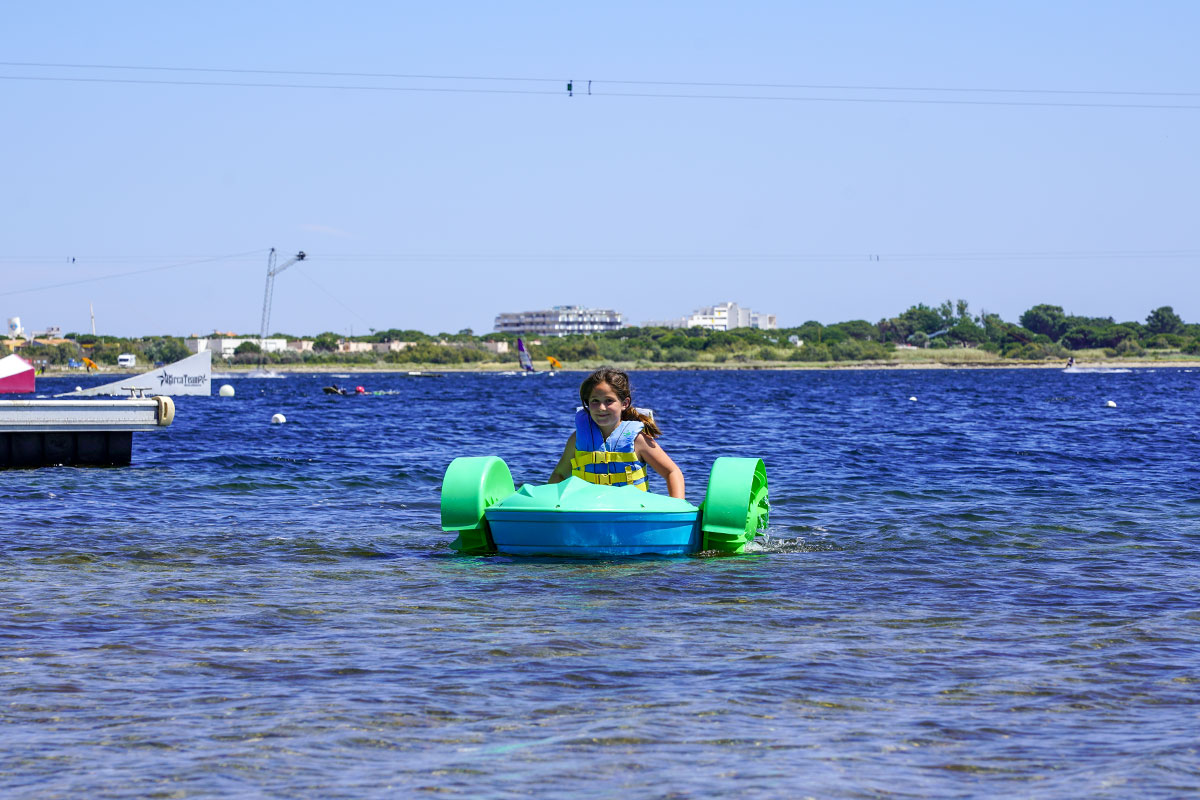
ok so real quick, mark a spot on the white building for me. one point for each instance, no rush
(724, 317)
(224, 347)
(559, 321)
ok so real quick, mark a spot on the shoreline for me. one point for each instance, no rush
(690, 366)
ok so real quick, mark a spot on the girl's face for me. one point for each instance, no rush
(605, 407)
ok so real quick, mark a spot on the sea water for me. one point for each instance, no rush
(975, 584)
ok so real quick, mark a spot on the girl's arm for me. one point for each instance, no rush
(648, 450)
(562, 470)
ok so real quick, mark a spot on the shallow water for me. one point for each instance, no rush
(988, 590)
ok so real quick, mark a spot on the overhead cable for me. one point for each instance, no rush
(558, 81)
(745, 91)
(78, 281)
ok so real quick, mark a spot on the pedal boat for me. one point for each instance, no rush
(575, 518)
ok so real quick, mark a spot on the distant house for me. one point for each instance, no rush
(20, 344)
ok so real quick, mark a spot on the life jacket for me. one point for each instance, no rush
(610, 461)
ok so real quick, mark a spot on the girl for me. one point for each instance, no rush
(613, 442)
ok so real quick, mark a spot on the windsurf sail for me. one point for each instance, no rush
(523, 355)
(554, 362)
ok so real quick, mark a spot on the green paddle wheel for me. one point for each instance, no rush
(735, 506)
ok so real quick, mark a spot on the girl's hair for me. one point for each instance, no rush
(619, 382)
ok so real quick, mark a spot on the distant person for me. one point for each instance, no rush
(1070, 362)
(613, 442)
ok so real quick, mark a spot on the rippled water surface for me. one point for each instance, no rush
(988, 590)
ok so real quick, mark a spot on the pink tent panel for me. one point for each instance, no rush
(16, 375)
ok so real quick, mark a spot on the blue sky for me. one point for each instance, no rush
(435, 203)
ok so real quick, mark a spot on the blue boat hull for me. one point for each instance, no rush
(592, 534)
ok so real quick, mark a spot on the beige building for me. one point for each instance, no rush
(392, 347)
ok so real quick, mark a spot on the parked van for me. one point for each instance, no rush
(127, 360)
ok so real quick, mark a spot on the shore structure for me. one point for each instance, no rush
(36, 433)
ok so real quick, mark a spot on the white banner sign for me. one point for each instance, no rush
(192, 375)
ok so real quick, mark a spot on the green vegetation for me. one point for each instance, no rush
(947, 333)
(105, 349)
(1043, 332)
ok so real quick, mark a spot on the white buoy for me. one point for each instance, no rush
(278, 419)
(1111, 404)
(913, 399)
(226, 390)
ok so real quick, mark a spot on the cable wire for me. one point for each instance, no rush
(590, 258)
(595, 88)
(560, 81)
(127, 274)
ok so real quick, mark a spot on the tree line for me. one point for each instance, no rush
(1042, 332)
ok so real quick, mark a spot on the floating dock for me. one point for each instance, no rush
(38, 433)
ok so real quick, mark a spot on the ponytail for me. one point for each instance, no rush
(650, 430)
